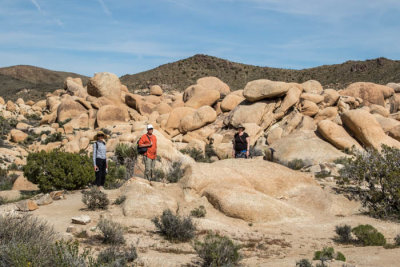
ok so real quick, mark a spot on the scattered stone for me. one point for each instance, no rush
(44, 200)
(27, 205)
(82, 219)
(156, 90)
(57, 195)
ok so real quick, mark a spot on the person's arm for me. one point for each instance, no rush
(94, 157)
(143, 142)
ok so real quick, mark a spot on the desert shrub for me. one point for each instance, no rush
(175, 172)
(32, 137)
(13, 167)
(54, 137)
(95, 199)
(116, 256)
(397, 240)
(6, 180)
(367, 235)
(303, 263)
(199, 212)
(2, 201)
(343, 234)
(209, 151)
(255, 152)
(328, 253)
(380, 173)
(25, 241)
(66, 254)
(158, 175)
(217, 250)
(113, 232)
(120, 200)
(6, 125)
(123, 152)
(116, 176)
(57, 170)
(296, 164)
(175, 228)
(196, 154)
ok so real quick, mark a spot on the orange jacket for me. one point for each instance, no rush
(151, 152)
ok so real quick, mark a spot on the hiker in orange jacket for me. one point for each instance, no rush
(149, 141)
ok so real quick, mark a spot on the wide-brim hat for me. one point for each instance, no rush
(100, 133)
(241, 126)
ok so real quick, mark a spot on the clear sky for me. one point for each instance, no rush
(130, 36)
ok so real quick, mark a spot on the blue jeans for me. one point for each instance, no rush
(241, 154)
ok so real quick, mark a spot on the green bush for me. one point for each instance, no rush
(296, 164)
(120, 200)
(175, 228)
(217, 250)
(58, 170)
(367, 235)
(95, 199)
(158, 175)
(199, 212)
(66, 254)
(113, 232)
(209, 151)
(196, 154)
(328, 253)
(115, 256)
(175, 173)
(343, 234)
(380, 173)
(303, 263)
(6, 125)
(54, 137)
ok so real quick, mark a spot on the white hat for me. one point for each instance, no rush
(149, 126)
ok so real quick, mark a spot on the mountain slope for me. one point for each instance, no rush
(178, 75)
(39, 81)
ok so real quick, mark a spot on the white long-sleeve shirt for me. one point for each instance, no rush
(99, 152)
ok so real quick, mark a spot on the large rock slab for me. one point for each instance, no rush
(198, 119)
(145, 201)
(367, 130)
(230, 102)
(337, 135)
(304, 145)
(371, 93)
(105, 84)
(253, 190)
(69, 109)
(213, 83)
(196, 96)
(111, 115)
(248, 112)
(174, 119)
(264, 89)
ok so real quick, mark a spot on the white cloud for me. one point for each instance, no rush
(36, 4)
(104, 7)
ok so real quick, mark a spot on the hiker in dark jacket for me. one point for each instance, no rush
(100, 159)
(241, 143)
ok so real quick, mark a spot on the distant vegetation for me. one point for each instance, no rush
(180, 74)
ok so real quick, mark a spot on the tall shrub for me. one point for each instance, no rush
(57, 170)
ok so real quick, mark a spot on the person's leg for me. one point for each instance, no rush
(103, 173)
(153, 164)
(97, 173)
(147, 167)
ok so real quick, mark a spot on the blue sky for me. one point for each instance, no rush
(130, 36)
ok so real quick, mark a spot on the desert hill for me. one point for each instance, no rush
(179, 75)
(38, 81)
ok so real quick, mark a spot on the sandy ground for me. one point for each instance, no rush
(266, 244)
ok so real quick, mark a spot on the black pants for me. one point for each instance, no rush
(101, 173)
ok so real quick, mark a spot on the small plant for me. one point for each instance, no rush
(158, 175)
(6, 180)
(67, 254)
(343, 234)
(303, 263)
(175, 173)
(61, 124)
(54, 137)
(95, 199)
(209, 151)
(57, 170)
(296, 164)
(328, 253)
(217, 250)
(120, 200)
(116, 176)
(175, 228)
(397, 240)
(367, 235)
(124, 152)
(196, 154)
(113, 232)
(115, 256)
(199, 212)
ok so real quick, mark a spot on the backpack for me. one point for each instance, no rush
(142, 150)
